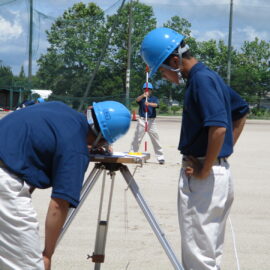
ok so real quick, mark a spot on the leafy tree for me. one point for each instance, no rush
(143, 21)
(175, 109)
(182, 26)
(72, 55)
(215, 55)
(163, 108)
(76, 40)
(251, 76)
(20, 81)
(6, 76)
(22, 73)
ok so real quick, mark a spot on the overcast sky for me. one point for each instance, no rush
(209, 19)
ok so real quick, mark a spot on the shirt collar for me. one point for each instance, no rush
(195, 68)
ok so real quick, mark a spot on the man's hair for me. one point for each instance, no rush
(96, 125)
(186, 55)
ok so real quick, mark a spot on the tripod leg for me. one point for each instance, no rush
(98, 256)
(150, 218)
(87, 186)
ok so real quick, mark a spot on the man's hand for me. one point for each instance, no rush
(199, 169)
(47, 262)
(195, 168)
(105, 150)
(151, 104)
(31, 189)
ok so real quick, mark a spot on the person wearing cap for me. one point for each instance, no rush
(25, 103)
(47, 147)
(40, 100)
(213, 119)
(147, 99)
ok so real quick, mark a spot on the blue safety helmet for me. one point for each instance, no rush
(158, 45)
(40, 100)
(150, 86)
(113, 119)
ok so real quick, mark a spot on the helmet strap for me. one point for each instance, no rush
(177, 70)
(179, 53)
(95, 143)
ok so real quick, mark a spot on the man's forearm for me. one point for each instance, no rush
(238, 126)
(56, 216)
(215, 141)
(139, 98)
(154, 105)
(216, 137)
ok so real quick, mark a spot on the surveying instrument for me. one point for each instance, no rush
(110, 164)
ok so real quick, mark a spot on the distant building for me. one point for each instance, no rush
(174, 103)
(9, 98)
(42, 92)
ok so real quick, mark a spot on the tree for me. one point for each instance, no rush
(6, 76)
(76, 39)
(72, 55)
(143, 21)
(21, 80)
(251, 75)
(22, 73)
(175, 109)
(182, 26)
(214, 54)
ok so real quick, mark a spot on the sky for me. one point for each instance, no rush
(209, 20)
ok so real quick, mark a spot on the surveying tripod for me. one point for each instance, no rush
(111, 164)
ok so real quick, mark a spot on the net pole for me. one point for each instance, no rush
(100, 59)
(30, 44)
(146, 106)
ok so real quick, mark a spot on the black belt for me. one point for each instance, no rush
(218, 161)
(2, 164)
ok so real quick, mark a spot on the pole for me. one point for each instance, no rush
(230, 44)
(30, 44)
(106, 44)
(146, 107)
(129, 55)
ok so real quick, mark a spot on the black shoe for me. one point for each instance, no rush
(161, 162)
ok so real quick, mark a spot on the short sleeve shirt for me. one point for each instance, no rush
(151, 110)
(208, 102)
(46, 145)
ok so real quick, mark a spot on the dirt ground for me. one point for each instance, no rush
(131, 243)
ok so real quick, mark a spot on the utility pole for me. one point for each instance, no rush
(230, 44)
(129, 54)
(30, 44)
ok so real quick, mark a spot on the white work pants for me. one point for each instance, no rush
(19, 237)
(203, 208)
(152, 131)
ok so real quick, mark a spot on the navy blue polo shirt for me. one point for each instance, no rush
(45, 144)
(208, 102)
(151, 110)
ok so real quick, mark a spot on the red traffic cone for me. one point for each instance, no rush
(134, 116)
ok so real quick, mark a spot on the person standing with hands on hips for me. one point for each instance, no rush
(213, 119)
(152, 103)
